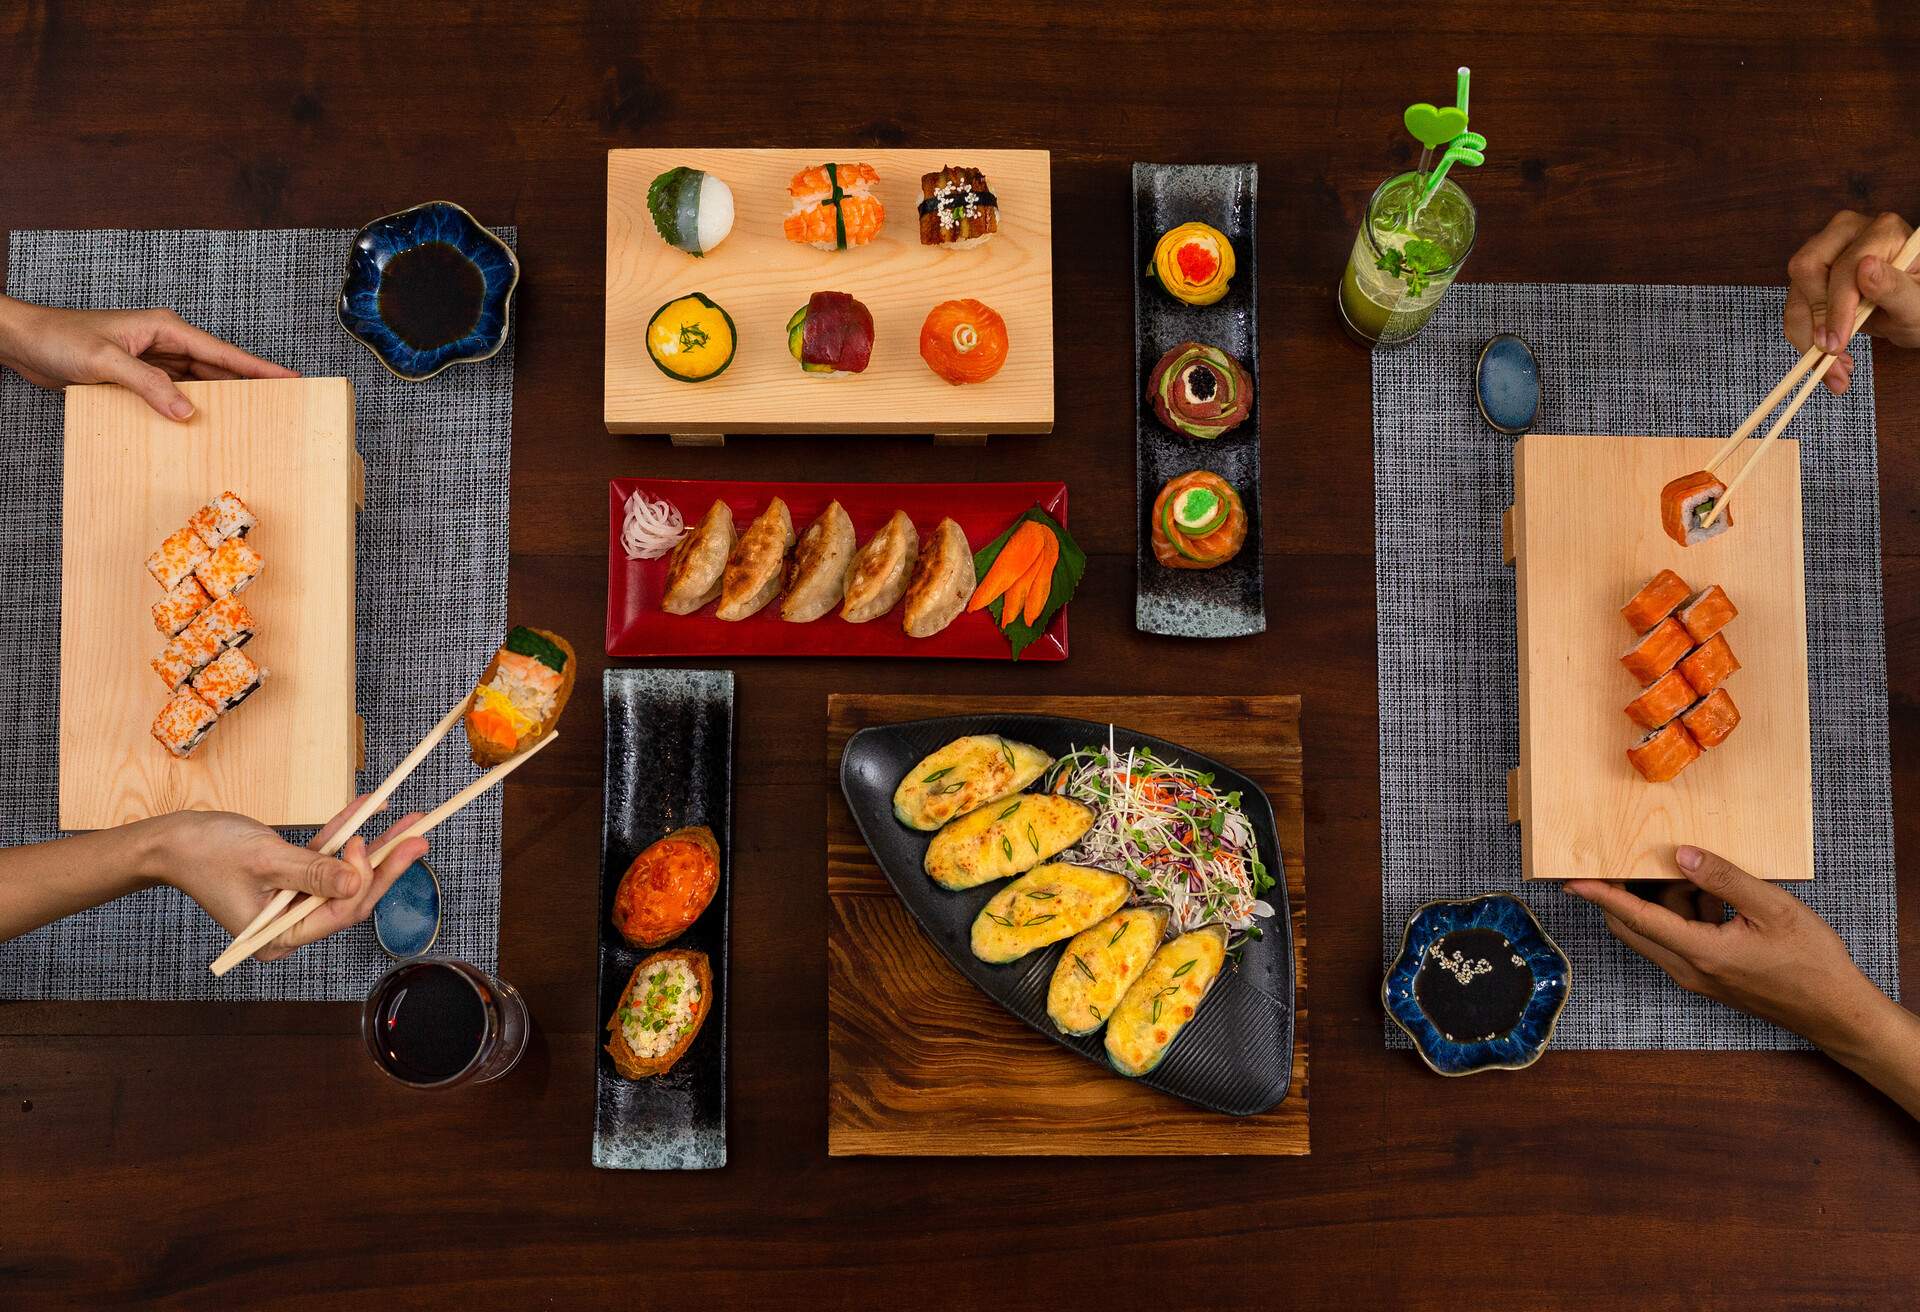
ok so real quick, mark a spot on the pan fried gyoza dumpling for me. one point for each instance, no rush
(820, 565)
(943, 579)
(759, 561)
(693, 573)
(881, 570)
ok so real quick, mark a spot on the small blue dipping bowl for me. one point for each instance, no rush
(374, 249)
(1460, 960)
(1506, 384)
(406, 920)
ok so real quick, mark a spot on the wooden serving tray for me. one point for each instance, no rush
(288, 755)
(1584, 534)
(760, 278)
(922, 1063)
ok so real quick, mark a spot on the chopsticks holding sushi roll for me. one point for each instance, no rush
(1814, 359)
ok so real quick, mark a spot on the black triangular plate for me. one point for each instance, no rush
(1235, 1057)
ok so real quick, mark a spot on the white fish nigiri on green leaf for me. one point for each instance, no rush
(692, 209)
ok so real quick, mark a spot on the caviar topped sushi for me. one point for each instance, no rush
(1193, 263)
(834, 207)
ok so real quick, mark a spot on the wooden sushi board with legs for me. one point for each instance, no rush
(922, 1063)
(1584, 534)
(287, 755)
(760, 278)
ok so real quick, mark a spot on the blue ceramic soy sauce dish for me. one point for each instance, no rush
(428, 287)
(1477, 985)
(406, 920)
(1506, 384)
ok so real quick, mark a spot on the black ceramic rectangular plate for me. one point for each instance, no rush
(1227, 601)
(669, 764)
(1236, 1056)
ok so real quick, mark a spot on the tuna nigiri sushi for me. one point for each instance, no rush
(964, 341)
(834, 206)
(831, 333)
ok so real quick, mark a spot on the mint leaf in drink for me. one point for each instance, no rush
(1425, 256)
(1390, 262)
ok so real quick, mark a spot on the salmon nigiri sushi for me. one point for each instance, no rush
(834, 206)
(964, 341)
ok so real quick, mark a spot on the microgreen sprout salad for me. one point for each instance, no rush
(1162, 825)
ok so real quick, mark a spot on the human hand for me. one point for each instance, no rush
(1848, 261)
(1776, 958)
(142, 350)
(232, 866)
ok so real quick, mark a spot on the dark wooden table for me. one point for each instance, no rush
(245, 1155)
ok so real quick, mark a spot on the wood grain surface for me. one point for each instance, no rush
(922, 1063)
(184, 1156)
(286, 756)
(760, 278)
(1587, 529)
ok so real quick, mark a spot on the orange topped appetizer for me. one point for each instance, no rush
(667, 887)
(521, 694)
(964, 341)
(1199, 522)
(834, 206)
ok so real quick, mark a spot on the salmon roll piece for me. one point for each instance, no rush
(1669, 695)
(1664, 753)
(1712, 718)
(226, 516)
(1705, 613)
(1658, 650)
(230, 569)
(190, 652)
(230, 679)
(1686, 502)
(1708, 665)
(1658, 598)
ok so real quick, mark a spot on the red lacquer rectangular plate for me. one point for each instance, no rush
(636, 626)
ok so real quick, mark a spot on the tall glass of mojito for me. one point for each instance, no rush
(1404, 258)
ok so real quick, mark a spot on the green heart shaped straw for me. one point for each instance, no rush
(1468, 148)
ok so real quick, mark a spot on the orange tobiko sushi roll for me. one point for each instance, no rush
(1709, 664)
(1656, 600)
(1658, 650)
(964, 341)
(1712, 718)
(1664, 753)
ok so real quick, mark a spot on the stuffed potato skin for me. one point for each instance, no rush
(963, 776)
(1165, 997)
(1100, 965)
(1003, 838)
(1043, 906)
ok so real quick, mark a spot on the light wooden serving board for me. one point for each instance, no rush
(1584, 534)
(922, 1063)
(287, 755)
(760, 278)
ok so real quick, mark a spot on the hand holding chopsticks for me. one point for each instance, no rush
(275, 919)
(1813, 360)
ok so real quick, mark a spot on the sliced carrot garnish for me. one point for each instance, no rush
(1014, 560)
(1043, 581)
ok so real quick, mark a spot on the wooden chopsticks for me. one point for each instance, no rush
(266, 928)
(1814, 359)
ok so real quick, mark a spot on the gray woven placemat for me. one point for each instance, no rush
(1681, 361)
(432, 576)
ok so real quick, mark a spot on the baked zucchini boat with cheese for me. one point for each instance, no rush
(1003, 838)
(1165, 997)
(964, 775)
(1044, 906)
(1100, 965)
(661, 1010)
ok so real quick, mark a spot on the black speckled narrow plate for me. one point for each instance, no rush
(669, 764)
(1228, 601)
(1236, 1056)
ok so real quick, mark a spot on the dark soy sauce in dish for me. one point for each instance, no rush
(1472, 985)
(431, 295)
(429, 1024)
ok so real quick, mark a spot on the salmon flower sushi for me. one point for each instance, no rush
(834, 206)
(964, 341)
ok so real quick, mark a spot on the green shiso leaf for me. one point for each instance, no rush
(528, 643)
(663, 202)
(1067, 572)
